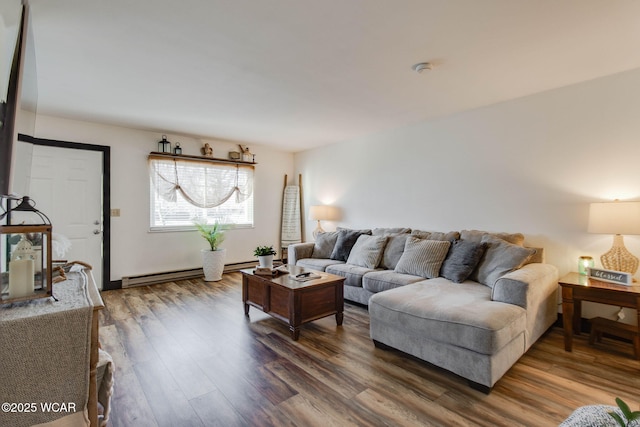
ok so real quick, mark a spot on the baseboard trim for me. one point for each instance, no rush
(168, 276)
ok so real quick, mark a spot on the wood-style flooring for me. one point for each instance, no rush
(186, 355)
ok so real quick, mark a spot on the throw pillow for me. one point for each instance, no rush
(422, 257)
(367, 251)
(344, 243)
(462, 258)
(500, 258)
(324, 244)
(393, 251)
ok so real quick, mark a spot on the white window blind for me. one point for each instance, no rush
(185, 189)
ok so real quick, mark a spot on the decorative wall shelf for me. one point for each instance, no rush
(199, 158)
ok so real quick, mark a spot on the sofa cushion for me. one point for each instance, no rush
(461, 314)
(317, 263)
(436, 235)
(500, 258)
(367, 251)
(383, 280)
(344, 243)
(461, 260)
(324, 244)
(352, 273)
(389, 231)
(422, 257)
(476, 236)
(393, 250)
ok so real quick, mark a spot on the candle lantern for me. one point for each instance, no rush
(25, 252)
(584, 264)
(164, 146)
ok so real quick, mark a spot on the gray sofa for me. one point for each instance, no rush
(470, 302)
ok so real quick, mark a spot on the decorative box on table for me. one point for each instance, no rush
(25, 253)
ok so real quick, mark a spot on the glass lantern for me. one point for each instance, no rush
(584, 264)
(164, 146)
(25, 254)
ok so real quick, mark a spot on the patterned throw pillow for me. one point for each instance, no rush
(423, 257)
(367, 251)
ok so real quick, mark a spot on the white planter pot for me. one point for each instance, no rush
(213, 264)
(266, 261)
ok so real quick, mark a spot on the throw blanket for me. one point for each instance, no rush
(44, 355)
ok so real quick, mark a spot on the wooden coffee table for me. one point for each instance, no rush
(292, 301)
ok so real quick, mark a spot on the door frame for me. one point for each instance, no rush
(106, 196)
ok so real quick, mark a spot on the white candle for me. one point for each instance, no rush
(21, 273)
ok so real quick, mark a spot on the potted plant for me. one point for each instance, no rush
(265, 256)
(213, 258)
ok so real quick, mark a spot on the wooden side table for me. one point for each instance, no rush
(577, 288)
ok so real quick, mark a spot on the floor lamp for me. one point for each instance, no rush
(617, 218)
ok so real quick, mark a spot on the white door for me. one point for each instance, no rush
(66, 185)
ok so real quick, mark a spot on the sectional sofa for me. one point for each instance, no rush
(471, 302)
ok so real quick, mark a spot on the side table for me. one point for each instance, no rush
(577, 288)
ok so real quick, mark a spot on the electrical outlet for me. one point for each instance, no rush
(115, 212)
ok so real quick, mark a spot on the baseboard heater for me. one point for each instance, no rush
(170, 276)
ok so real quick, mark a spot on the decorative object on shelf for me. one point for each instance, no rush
(321, 213)
(164, 146)
(246, 154)
(265, 256)
(616, 218)
(584, 264)
(234, 155)
(177, 149)
(611, 276)
(207, 151)
(25, 244)
(212, 259)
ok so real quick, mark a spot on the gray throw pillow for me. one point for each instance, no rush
(346, 240)
(389, 231)
(500, 258)
(393, 250)
(422, 257)
(462, 258)
(324, 244)
(367, 251)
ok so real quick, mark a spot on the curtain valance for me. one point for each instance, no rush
(202, 183)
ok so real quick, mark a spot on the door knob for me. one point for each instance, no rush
(96, 231)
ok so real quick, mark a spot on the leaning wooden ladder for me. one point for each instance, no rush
(291, 226)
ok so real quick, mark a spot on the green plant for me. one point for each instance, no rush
(212, 233)
(628, 415)
(264, 250)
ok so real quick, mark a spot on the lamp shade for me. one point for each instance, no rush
(614, 218)
(320, 213)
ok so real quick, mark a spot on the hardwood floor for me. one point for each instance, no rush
(185, 355)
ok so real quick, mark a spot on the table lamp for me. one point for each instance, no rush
(319, 213)
(617, 218)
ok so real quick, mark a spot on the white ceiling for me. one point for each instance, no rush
(296, 74)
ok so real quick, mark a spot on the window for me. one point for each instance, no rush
(185, 189)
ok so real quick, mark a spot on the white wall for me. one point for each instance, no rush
(531, 165)
(135, 250)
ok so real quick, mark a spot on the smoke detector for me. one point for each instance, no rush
(423, 67)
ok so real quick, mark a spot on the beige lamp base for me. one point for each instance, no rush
(618, 258)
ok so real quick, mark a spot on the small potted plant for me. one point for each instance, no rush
(265, 256)
(212, 259)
